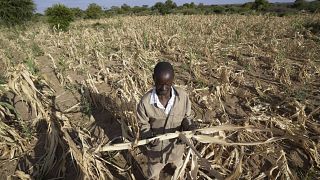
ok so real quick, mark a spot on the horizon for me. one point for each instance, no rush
(42, 5)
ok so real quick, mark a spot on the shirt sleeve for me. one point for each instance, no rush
(187, 122)
(143, 122)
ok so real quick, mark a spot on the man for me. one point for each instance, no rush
(164, 109)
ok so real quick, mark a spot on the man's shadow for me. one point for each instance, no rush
(32, 163)
(107, 129)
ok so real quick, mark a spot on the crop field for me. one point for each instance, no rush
(255, 79)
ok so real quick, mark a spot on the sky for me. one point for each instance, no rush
(44, 4)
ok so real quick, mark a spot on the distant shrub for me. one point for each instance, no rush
(314, 26)
(144, 13)
(282, 11)
(248, 5)
(15, 12)
(126, 8)
(161, 8)
(233, 9)
(77, 12)
(59, 16)
(260, 5)
(164, 8)
(216, 10)
(300, 4)
(94, 11)
(189, 11)
(313, 6)
(139, 10)
(38, 17)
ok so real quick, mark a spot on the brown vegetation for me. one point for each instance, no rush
(64, 95)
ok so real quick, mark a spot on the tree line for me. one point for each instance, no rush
(170, 7)
(13, 12)
(258, 6)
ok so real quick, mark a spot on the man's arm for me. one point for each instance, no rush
(187, 122)
(143, 121)
(144, 125)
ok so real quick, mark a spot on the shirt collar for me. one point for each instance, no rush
(155, 99)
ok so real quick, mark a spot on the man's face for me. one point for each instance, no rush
(163, 83)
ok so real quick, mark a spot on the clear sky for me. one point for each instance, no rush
(44, 4)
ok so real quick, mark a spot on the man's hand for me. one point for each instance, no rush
(187, 125)
(154, 143)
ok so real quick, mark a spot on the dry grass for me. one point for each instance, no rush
(245, 71)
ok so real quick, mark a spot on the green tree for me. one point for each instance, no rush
(201, 5)
(15, 12)
(218, 9)
(248, 5)
(139, 10)
(159, 6)
(313, 6)
(299, 4)
(59, 16)
(164, 8)
(77, 12)
(94, 11)
(114, 10)
(126, 7)
(169, 4)
(37, 17)
(260, 5)
(187, 5)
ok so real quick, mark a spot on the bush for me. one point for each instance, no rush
(282, 11)
(261, 5)
(139, 10)
(313, 6)
(94, 11)
(300, 4)
(77, 12)
(125, 8)
(15, 12)
(188, 11)
(314, 26)
(164, 8)
(59, 16)
(218, 9)
(38, 17)
(234, 9)
(160, 7)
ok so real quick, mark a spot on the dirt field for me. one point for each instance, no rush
(65, 94)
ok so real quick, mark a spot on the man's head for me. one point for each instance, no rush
(163, 76)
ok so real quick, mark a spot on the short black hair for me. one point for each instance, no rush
(163, 67)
